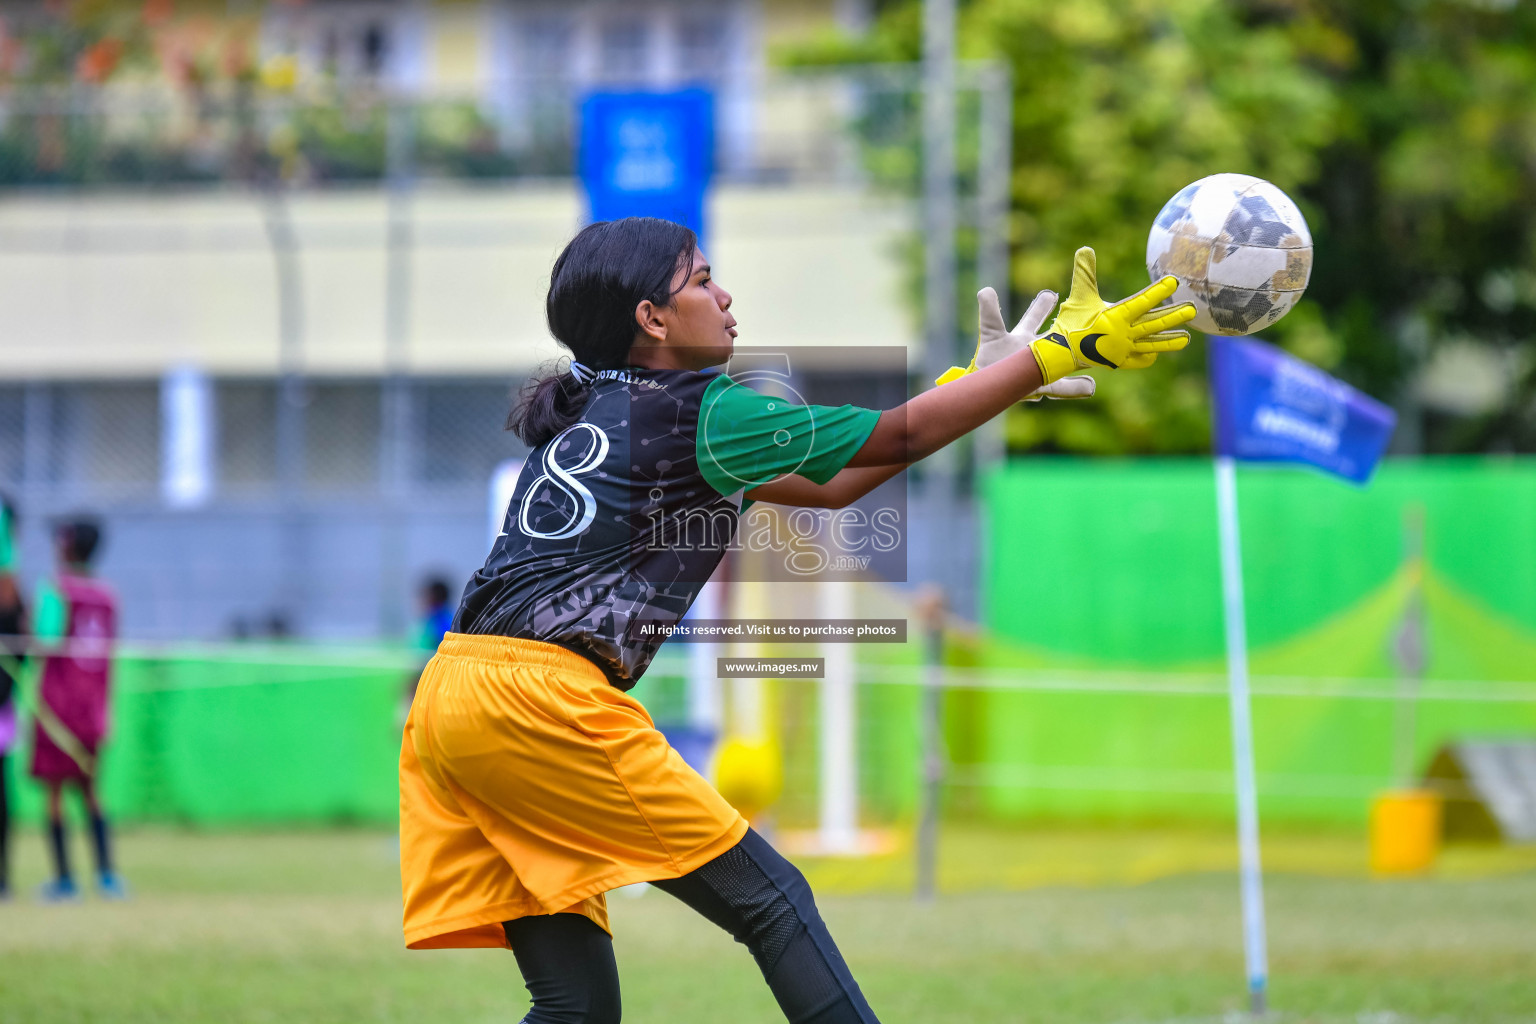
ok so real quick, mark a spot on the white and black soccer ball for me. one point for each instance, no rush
(1240, 249)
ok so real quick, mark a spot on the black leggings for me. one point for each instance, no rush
(750, 891)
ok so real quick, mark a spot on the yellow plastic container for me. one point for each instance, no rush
(1405, 832)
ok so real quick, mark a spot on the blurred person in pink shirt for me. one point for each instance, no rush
(76, 623)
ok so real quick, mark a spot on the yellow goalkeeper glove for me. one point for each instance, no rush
(1090, 332)
(995, 342)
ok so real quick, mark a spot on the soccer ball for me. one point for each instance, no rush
(1240, 249)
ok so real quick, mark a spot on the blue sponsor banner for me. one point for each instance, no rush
(648, 154)
(1272, 407)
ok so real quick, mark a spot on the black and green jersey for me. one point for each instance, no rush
(623, 516)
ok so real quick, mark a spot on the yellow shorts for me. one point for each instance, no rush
(530, 785)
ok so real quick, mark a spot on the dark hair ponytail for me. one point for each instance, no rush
(607, 270)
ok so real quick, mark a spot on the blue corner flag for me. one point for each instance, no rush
(1272, 407)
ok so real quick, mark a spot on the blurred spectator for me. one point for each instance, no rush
(76, 620)
(437, 615)
(13, 625)
(274, 626)
(436, 620)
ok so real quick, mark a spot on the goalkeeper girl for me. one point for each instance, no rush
(531, 783)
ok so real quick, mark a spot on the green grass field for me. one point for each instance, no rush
(305, 928)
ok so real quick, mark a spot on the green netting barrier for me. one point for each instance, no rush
(251, 737)
(1095, 690)
(1105, 568)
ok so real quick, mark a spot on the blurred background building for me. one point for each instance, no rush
(271, 272)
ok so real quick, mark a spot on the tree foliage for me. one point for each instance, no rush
(1405, 129)
(1426, 197)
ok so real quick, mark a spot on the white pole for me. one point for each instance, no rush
(931, 610)
(187, 425)
(839, 741)
(994, 180)
(705, 711)
(940, 216)
(1254, 954)
(499, 496)
(939, 212)
(747, 717)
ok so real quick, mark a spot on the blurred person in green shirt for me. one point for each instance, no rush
(13, 627)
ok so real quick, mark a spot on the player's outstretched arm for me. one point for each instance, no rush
(841, 491)
(994, 344)
(1128, 333)
(936, 417)
(995, 341)
(1089, 333)
(950, 411)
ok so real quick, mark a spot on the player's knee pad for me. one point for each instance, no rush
(757, 913)
(765, 903)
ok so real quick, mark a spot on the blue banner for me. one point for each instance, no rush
(648, 154)
(1272, 407)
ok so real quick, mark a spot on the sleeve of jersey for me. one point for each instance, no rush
(747, 439)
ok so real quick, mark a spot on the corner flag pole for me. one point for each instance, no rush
(1254, 954)
(1272, 407)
